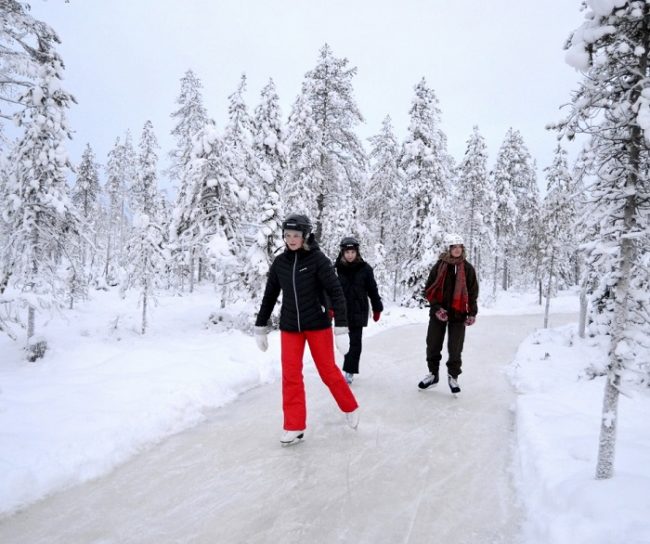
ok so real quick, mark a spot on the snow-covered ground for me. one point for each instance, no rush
(104, 393)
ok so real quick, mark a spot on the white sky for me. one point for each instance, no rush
(496, 63)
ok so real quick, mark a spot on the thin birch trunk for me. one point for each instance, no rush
(548, 288)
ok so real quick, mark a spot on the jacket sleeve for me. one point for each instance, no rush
(373, 292)
(472, 288)
(271, 293)
(429, 283)
(333, 290)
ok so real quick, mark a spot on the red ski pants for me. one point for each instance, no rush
(321, 346)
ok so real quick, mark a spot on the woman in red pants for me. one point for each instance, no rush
(305, 276)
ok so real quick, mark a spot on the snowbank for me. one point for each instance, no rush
(557, 427)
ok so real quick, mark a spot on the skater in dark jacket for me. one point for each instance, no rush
(358, 282)
(306, 279)
(452, 290)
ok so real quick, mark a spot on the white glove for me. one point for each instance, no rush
(262, 338)
(342, 339)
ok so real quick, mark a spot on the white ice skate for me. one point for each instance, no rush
(291, 437)
(352, 418)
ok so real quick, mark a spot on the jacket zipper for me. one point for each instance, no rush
(295, 291)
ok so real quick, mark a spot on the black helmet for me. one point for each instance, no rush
(349, 242)
(299, 222)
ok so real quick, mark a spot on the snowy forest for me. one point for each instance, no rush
(68, 229)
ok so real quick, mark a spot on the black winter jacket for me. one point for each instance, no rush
(358, 282)
(448, 291)
(307, 280)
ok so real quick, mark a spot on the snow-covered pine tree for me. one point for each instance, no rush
(27, 44)
(506, 170)
(382, 208)
(114, 190)
(243, 170)
(9, 316)
(527, 244)
(130, 168)
(612, 107)
(191, 117)
(39, 212)
(428, 177)
(305, 178)
(271, 153)
(144, 249)
(207, 221)
(342, 163)
(476, 203)
(85, 196)
(239, 155)
(557, 224)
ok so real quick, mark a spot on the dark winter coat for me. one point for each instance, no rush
(448, 291)
(358, 282)
(307, 280)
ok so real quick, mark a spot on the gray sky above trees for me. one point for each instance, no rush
(496, 63)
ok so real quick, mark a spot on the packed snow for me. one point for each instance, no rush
(105, 393)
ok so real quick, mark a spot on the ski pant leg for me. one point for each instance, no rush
(321, 345)
(293, 386)
(435, 341)
(351, 359)
(455, 343)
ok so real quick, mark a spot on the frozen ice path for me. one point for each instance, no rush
(422, 467)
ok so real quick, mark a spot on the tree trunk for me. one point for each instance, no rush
(108, 257)
(320, 205)
(31, 322)
(548, 288)
(144, 309)
(582, 323)
(608, 422)
(192, 270)
(395, 275)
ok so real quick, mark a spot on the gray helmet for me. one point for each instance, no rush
(349, 242)
(296, 221)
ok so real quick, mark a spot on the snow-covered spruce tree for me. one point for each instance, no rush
(342, 162)
(382, 208)
(9, 316)
(39, 212)
(271, 155)
(580, 172)
(517, 204)
(558, 243)
(476, 203)
(27, 44)
(85, 196)
(305, 178)
(239, 155)
(144, 248)
(208, 220)
(164, 210)
(191, 117)
(427, 168)
(115, 191)
(612, 107)
(243, 170)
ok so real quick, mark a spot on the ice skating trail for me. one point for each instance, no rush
(422, 467)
